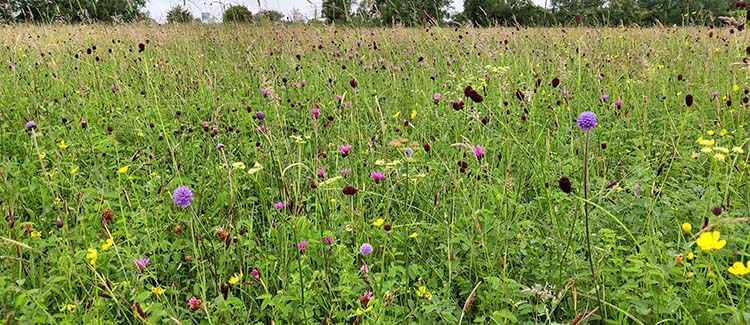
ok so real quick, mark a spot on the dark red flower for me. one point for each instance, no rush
(689, 100)
(350, 190)
(565, 185)
(555, 82)
(353, 83)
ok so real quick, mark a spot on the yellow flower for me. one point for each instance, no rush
(690, 256)
(360, 311)
(154, 174)
(68, 308)
(422, 292)
(710, 132)
(695, 155)
(333, 200)
(238, 165)
(62, 145)
(74, 170)
(414, 235)
(256, 168)
(737, 150)
(378, 223)
(723, 132)
(42, 155)
(123, 169)
(413, 114)
(710, 240)
(158, 291)
(235, 278)
(687, 227)
(735, 87)
(397, 114)
(706, 150)
(36, 234)
(140, 134)
(720, 157)
(92, 254)
(721, 149)
(739, 269)
(107, 244)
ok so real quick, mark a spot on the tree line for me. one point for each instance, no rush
(405, 12)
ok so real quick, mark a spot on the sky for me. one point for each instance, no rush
(158, 8)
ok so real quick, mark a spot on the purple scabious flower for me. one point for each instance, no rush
(30, 125)
(478, 151)
(141, 263)
(409, 151)
(182, 196)
(301, 245)
(586, 120)
(365, 249)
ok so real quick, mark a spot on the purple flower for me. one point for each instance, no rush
(364, 269)
(262, 128)
(339, 97)
(113, 88)
(344, 172)
(280, 205)
(409, 151)
(30, 125)
(303, 82)
(329, 240)
(618, 103)
(301, 245)
(437, 98)
(377, 175)
(347, 104)
(265, 91)
(365, 298)
(219, 146)
(715, 94)
(321, 172)
(344, 148)
(315, 112)
(182, 196)
(604, 97)
(141, 263)
(260, 115)
(194, 303)
(358, 42)
(586, 120)
(478, 151)
(255, 274)
(205, 124)
(564, 92)
(365, 249)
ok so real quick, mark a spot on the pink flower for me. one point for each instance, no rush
(141, 263)
(345, 149)
(281, 205)
(265, 91)
(329, 240)
(301, 245)
(365, 298)
(344, 172)
(364, 269)
(255, 274)
(195, 303)
(377, 175)
(321, 172)
(315, 112)
(437, 98)
(478, 151)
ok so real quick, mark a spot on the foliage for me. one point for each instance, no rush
(73, 11)
(178, 14)
(270, 15)
(337, 10)
(412, 12)
(300, 144)
(237, 14)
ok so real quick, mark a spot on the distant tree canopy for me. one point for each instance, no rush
(337, 10)
(237, 14)
(412, 12)
(271, 15)
(72, 11)
(178, 14)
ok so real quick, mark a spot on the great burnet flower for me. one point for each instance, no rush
(182, 196)
(739, 269)
(586, 120)
(710, 241)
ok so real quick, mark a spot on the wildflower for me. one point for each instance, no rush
(379, 222)
(158, 291)
(409, 151)
(689, 100)
(716, 210)
(107, 244)
(281, 205)
(260, 115)
(422, 292)
(315, 112)
(301, 245)
(349, 190)
(321, 172)
(414, 235)
(365, 298)
(739, 269)
(35, 234)
(219, 146)
(710, 240)
(586, 120)
(695, 155)
(182, 196)
(123, 169)
(141, 263)
(387, 227)
(690, 256)
(364, 269)
(329, 240)
(618, 103)
(359, 311)
(345, 149)
(377, 175)
(62, 145)
(715, 94)
(478, 151)
(235, 278)
(365, 249)
(42, 155)
(604, 97)
(255, 274)
(344, 172)
(68, 308)
(679, 259)
(256, 168)
(265, 91)
(92, 254)
(565, 185)
(555, 82)
(195, 303)
(710, 132)
(238, 165)
(436, 98)
(687, 227)
(723, 132)
(30, 125)
(720, 157)
(737, 150)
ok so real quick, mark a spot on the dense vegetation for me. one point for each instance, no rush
(190, 173)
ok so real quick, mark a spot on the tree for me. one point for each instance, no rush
(178, 14)
(337, 10)
(412, 12)
(237, 14)
(73, 11)
(270, 15)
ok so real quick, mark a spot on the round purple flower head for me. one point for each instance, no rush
(365, 249)
(586, 120)
(260, 115)
(30, 125)
(182, 196)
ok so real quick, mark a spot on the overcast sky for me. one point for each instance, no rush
(158, 8)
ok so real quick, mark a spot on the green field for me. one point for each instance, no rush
(256, 120)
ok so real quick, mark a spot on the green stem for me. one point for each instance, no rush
(586, 216)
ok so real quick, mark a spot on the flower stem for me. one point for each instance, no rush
(586, 216)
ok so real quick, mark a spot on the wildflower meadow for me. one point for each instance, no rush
(311, 174)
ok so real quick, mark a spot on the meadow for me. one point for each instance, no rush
(279, 174)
